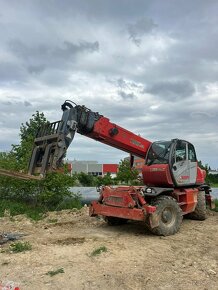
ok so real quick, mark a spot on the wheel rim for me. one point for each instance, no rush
(168, 216)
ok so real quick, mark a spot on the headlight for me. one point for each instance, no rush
(149, 190)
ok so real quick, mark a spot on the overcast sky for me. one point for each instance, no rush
(149, 66)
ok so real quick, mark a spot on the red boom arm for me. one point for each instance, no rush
(118, 137)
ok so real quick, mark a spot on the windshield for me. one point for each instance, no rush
(159, 153)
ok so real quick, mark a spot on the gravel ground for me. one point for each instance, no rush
(132, 257)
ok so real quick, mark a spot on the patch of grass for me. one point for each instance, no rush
(75, 202)
(55, 272)
(37, 212)
(13, 207)
(20, 247)
(98, 251)
(17, 207)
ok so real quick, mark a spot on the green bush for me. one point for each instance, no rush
(86, 179)
(53, 189)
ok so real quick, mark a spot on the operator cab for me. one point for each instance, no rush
(170, 163)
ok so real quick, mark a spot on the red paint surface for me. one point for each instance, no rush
(123, 140)
(157, 175)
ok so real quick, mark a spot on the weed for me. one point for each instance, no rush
(98, 251)
(53, 273)
(20, 247)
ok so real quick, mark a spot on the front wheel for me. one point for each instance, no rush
(168, 214)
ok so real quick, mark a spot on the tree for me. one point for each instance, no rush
(86, 179)
(7, 160)
(126, 173)
(28, 131)
(105, 180)
(50, 191)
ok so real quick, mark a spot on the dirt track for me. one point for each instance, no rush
(135, 259)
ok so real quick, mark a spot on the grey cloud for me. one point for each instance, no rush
(27, 104)
(72, 48)
(26, 52)
(124, 84)
(42, 56)
(140, 28)
(7, 103)
(121, 83)
(66, 48)
(15, 103)
(172, 90)
(126, 95)
(36, 69)
(10, 71)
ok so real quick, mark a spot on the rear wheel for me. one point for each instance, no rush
(200, 212)
(168, 214)
(114, 221)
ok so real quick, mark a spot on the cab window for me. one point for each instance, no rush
(191, 153)
(180, 151)
(159, 153)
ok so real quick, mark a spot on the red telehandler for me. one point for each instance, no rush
(174, 185)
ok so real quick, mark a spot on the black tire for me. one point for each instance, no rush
(169, 215)
(200, 212)
(114, 221)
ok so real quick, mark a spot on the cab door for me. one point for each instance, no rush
(184, 168)
(192, 163)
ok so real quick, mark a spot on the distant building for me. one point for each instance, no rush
(93, 167)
